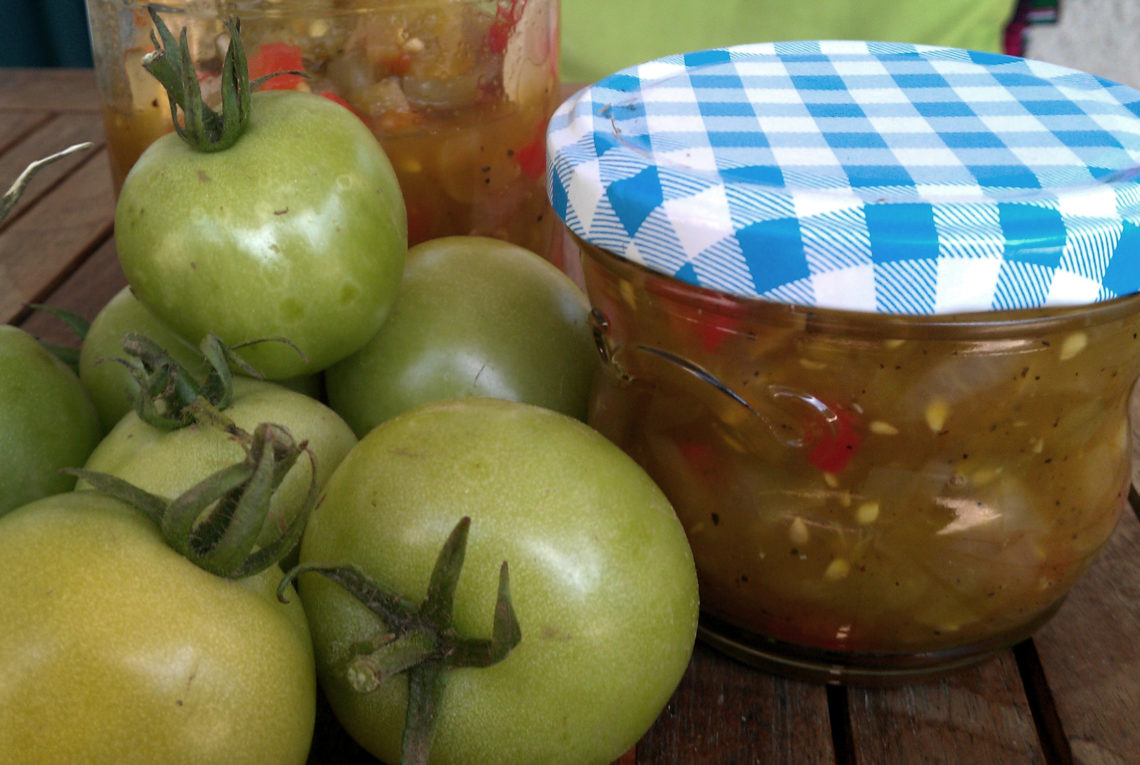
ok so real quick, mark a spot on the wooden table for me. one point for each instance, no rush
(1071, 694)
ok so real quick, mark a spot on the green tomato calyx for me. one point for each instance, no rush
(216, 523)
(420, 641)
(75, 323)
(169, 395)
(203, 128)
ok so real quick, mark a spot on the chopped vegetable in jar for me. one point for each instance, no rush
(941, 488)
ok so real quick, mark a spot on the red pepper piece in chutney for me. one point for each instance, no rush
(398, 64)
(715, 330)
(532, 157)
(712, 328)
(507, 15)
(282, 57)
(277, 57)
(834, 443)
(699, 454)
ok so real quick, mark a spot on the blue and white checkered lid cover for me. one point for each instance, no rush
(865, 176)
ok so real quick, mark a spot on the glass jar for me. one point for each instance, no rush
(869, 498)
(870, 313)
(457, 91)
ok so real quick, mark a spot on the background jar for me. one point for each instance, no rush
(457, 92)
(869, 315)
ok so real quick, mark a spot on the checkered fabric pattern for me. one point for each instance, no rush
(865, 176)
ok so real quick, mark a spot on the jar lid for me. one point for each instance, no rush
(866, 176)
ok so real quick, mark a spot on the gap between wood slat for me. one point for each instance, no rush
(1050, 731)
(42, 295)
(839, 714)
(9, 141)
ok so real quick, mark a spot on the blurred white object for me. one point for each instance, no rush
(1096, 36)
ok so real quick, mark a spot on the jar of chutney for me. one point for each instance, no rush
(869, 315)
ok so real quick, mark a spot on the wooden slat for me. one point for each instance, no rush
(49, 90)
(43, 246)
(1090, 654)
(14, 126)
(724, 712)
(84, 292)
(57, 133)
(977, 716)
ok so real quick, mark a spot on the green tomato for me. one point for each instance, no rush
(601, 578)
(47, 421)
(118, 650)
(168, 462)
(296, 231)
(108, 382)
(474, 317)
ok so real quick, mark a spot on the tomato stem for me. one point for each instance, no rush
(216, 523)
(169, 396)
(398, 653)
(420, 641)
(170, 63)
(425, 687)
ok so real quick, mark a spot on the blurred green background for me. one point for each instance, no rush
(44, 33)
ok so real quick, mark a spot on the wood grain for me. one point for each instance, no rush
(84, 292)
(43, 246)
(979, 715)
(15, 125)
(726, 713)
(1090, 654)
(66, 90)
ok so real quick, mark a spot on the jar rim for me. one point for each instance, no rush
(990, 324)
